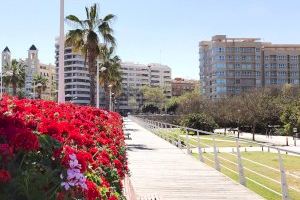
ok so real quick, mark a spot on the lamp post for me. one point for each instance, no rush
(239, 111)
(98, 85)
(61, 72)
(110, 95)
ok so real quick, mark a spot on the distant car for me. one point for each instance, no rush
(128, 113)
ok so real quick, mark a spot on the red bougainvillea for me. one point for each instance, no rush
(90, 139)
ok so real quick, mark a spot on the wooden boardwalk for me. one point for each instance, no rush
(159, 169)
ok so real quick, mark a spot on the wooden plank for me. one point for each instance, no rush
(160, 169)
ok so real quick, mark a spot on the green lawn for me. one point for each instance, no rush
(291, 163)
(205, 140)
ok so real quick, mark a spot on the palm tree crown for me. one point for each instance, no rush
(40, 82)
(14, 75)
(111, 76)
(85, 38)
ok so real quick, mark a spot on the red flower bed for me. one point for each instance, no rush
(60, 151)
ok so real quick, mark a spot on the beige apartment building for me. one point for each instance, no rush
(48, 71)
(229, 66)
(135, 76)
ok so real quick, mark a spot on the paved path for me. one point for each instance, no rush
(275, 139)
(160, 169)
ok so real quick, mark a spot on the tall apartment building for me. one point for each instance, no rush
(135, 76)
(77, 80)
(181, 86)
(229, 66)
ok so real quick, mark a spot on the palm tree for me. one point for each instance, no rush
(111, 76)
(14, 75)
(40, 82)
(86, 37)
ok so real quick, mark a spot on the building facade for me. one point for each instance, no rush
(181, 86)
(32, 67)
(135, 76)
(77, 80)
(229, 66)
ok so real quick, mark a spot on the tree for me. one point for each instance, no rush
(153, 95)
(199, 121)
(150, 108)
(87, 36)
(172, 105)
(40, 82)
(14, 75)
(111, 75)
(290, 112)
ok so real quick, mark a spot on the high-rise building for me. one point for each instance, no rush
(135, 76)
(77, 80)
(229, 66)
(181, 86)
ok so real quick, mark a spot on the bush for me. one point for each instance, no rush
(150, 108)
(60, 151)
(199, 121)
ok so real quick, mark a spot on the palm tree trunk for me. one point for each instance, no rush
(253, 132)
(93, 72)
(14, 86)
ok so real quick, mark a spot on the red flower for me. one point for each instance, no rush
(84, 158)
(92, 192)
(25, 140)
(113, 197)
(4, 176)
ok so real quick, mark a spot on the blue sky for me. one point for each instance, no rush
(166, 31)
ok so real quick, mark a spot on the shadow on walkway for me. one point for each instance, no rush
(132, 147)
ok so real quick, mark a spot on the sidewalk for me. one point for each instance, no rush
(159, 169)
(277, 140)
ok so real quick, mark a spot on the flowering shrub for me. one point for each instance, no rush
(60, 151)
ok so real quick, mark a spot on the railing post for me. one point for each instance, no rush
(284, 186)
(217, 164)
(187, 141)
(179, 142)
(199, 148)
(240, 164)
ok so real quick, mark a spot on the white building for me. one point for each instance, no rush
(134, 76)
(77, 80)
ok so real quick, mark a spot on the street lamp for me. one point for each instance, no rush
(61, 71)
(102, 69)
(239, 111)
(110, 95)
